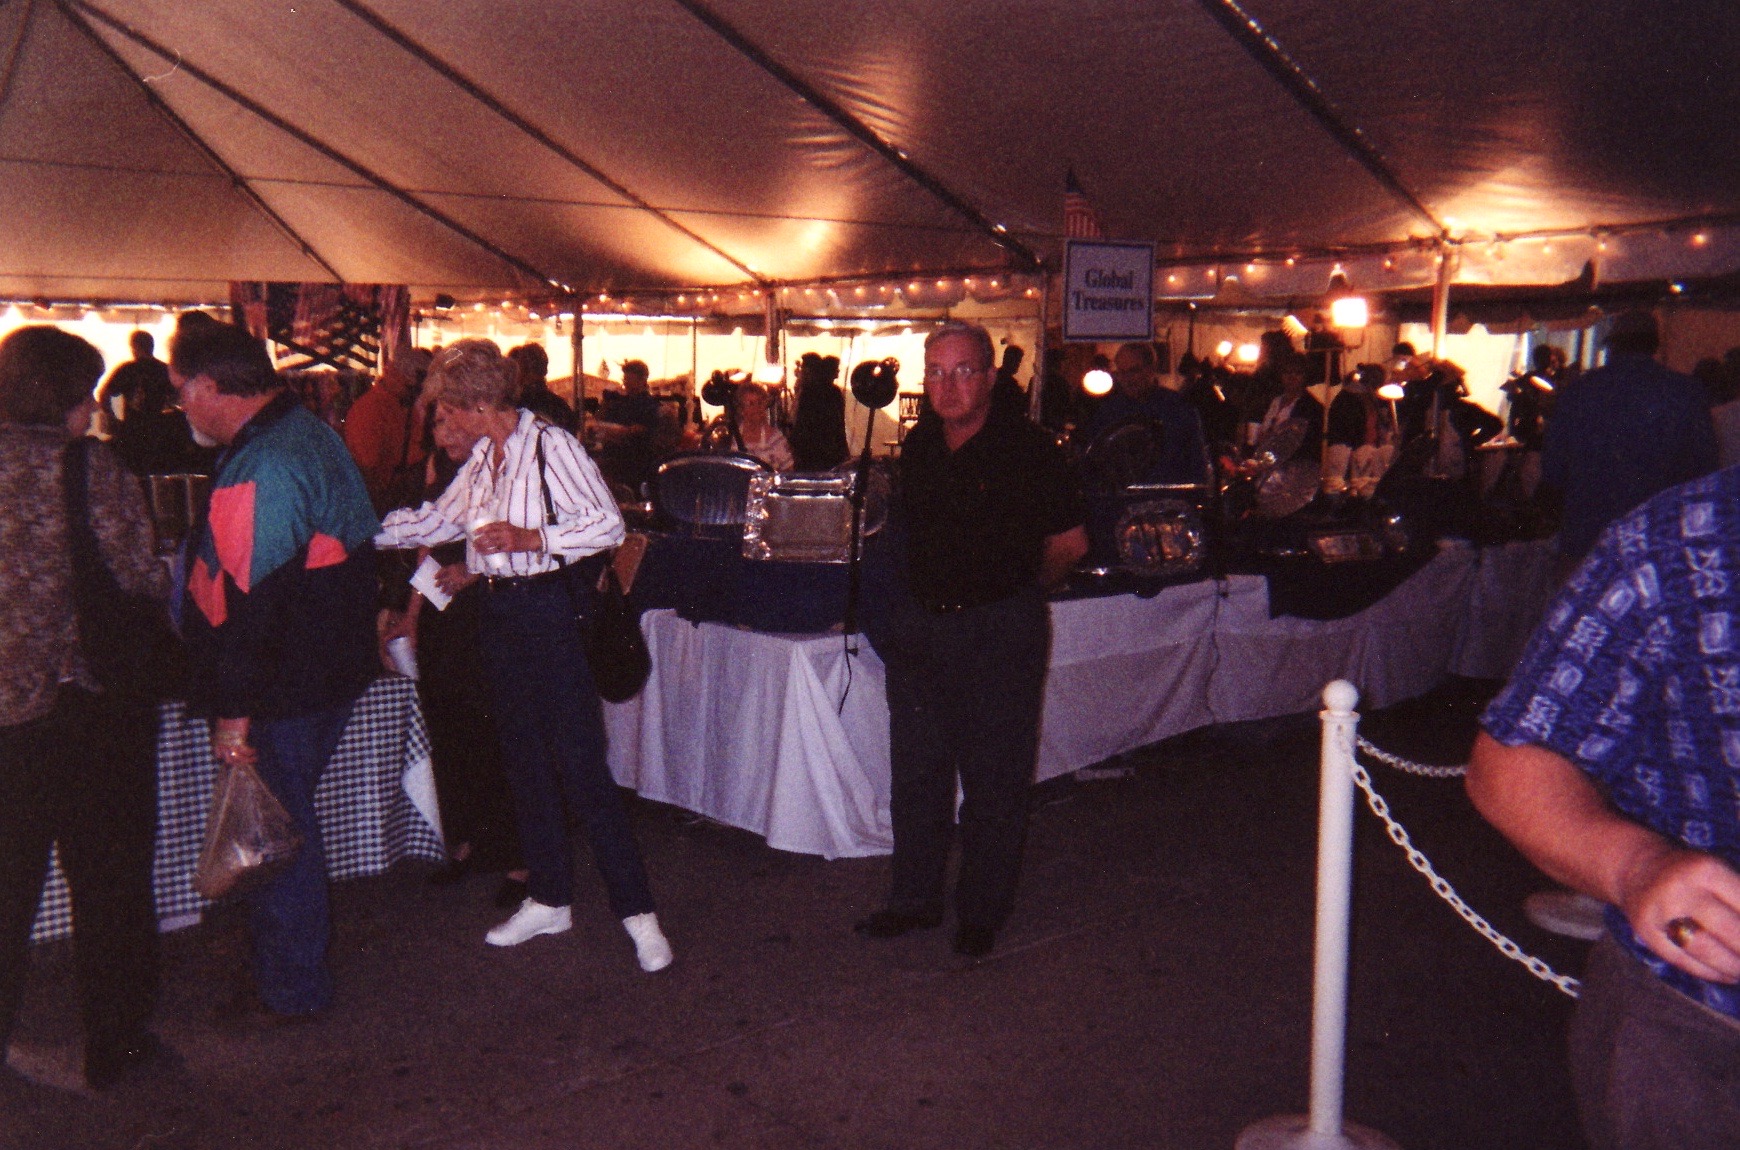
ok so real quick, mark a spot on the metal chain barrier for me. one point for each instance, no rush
(1444, 890)
(1407, 766)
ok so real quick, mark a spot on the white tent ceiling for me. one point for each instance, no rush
(157, 149)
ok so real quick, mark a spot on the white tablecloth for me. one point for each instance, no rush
(759, 731)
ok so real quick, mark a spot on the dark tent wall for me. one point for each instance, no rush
(157, 149)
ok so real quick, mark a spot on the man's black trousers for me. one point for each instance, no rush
(964, 695)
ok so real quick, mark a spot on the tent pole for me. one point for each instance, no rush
(1262, 47)
(1037, 377)
(1441, 299)
(577, 347)
(834, 110)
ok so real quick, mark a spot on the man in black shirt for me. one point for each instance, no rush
(152, 438)
(992, 518)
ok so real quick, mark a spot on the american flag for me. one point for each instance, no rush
(1080, 221)
(340, 325)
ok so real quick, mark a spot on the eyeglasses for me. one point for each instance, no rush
(961, 373)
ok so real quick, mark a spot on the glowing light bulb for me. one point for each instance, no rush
(1097, 382)
(1249, 352)
(1224, 348)
(1349, 311)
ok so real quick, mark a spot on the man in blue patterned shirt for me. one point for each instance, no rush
(1612, 760)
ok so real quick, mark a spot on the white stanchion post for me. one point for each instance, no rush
(1324, 1128)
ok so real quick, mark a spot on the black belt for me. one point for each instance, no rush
(965, 603)
(496, 583)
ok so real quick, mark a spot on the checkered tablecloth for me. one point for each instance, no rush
(366, 818)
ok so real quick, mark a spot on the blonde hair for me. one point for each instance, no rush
(473, 373)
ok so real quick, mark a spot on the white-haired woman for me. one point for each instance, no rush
(760, 437)
(550, 719)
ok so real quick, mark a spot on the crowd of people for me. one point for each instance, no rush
(1610, 757)
(278, 597)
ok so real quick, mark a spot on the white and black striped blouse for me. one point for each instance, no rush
(587, 520)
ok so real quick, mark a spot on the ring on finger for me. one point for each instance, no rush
(1681, 930)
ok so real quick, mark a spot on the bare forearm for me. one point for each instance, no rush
(1556, 816)
(1561, 821)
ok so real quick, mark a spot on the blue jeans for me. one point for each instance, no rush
(551, 726)
(288, 916)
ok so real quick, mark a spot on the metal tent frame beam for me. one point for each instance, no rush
(1268, 53)
(312, 141)
(862, 132)
(471, 88)
(236, 179)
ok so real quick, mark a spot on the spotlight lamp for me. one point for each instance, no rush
(1349, 312)
(1347, 308)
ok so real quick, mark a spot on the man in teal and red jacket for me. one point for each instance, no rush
(278, 612)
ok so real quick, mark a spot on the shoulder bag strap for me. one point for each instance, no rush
(93, 585)
(76, 494)
(544, 487)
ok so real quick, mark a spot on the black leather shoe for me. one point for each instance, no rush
(243, 1014)
(106, 1064)
(894, 923)
(510, 894)
(975, 941)
(450, 873)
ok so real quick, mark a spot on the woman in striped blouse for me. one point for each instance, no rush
(551, 722)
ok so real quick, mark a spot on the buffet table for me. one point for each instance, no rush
(376, 803)
(787, 735)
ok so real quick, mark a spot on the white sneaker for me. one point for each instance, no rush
(532, 919)
(650, 944)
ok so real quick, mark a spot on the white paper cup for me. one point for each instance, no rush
(403, 655)
(496, 562)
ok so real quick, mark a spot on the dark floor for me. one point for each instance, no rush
(1152, 991)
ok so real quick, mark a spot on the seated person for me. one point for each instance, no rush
(1343, 426)
(533, 365)
(1137, 397)
(632, 410)
(627, 427)
(757, 435)
(1378, 446)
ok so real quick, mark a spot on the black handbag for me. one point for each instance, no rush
(127, 639)
(616, 651)
(615, 647)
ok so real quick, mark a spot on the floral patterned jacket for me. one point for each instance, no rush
(38, 628)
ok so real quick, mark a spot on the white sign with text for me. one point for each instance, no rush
(1108, 291)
